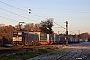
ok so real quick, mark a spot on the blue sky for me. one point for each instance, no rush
(76, 12)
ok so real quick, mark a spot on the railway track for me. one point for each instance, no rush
(74, 52)
(67, 53)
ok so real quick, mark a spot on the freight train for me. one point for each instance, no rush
(39, 38)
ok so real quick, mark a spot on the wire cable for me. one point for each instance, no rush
(9, 18)
(59, 25)
(16, 14)
(13, 6)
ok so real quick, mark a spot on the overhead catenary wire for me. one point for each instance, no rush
(50, 1)
(39, 15)
(25, 7)
(26, 11)
(59, 25)
(18, 8)
(67, 10)
(13, 6)
(16, 14)
(18, 4)
(9, 18)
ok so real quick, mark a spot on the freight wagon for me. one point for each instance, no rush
(59, 39)
(25, 38)
(56, 39)
(46, 39)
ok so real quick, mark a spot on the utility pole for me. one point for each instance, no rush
(78, 35)
(78, 32)
(66, 33)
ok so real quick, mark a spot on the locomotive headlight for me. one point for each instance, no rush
(32, 41)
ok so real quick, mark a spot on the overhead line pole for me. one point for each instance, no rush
(66, 33)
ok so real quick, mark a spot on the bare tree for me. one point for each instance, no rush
(85, 36)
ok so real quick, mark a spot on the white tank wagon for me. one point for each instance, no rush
(25, 38)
